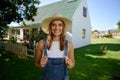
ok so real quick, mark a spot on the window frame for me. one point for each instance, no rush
(83, 33)
(85, 11)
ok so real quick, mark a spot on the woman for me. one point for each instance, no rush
(55, 55)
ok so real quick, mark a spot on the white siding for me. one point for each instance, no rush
(69, 36)
(21, 33)
(79, 23)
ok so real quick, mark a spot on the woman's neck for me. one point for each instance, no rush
(56, 38)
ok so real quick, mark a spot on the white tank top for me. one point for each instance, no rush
(55, 51)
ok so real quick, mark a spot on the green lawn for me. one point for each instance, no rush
(90, 65)
(14, 68)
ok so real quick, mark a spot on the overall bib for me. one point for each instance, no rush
(55, 68)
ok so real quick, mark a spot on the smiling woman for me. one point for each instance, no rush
(58, 55)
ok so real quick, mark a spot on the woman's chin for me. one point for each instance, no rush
(57, 35)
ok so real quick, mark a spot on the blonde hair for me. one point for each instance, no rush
(62, 37)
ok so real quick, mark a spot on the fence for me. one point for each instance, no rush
(30, 53)
(18, 49)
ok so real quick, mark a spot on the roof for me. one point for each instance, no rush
(64, 7)
(115, 30)
(27, 26)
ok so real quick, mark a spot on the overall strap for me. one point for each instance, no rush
(66, 48)
(45, 47)
(66, 77)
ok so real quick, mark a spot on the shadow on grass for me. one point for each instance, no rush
(95, 68)
(95, 48)
(111, 46)
(14, 68)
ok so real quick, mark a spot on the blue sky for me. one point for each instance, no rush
(104, 14)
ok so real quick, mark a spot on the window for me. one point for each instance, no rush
(16, 31)
(84, 11)
(26, 32)
(13, 31)
(83, 33)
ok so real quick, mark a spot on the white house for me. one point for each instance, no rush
(77, 11)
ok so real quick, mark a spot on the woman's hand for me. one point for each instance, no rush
(69, 62)
(43, 61)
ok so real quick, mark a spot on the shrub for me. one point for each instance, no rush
(103, 50)
(12, 40)
(107, 35)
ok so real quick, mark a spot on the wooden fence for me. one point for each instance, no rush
(30, 53)
(18, 49)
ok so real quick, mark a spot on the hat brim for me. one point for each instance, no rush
(45, 23)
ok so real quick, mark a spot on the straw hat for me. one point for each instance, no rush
(45, 23)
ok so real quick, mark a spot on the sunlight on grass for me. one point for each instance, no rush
(83, 74)
(7, 59)
(0, 55)
(113, 54)
(96, 56)
(105, 40)
(104, 77)
(109, 54)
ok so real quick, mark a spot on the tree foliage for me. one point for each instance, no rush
(36, 36)
(16, 11)
(118, 24)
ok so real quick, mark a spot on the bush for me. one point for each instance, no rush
(12, 40)
(103, 50)
(107, 35)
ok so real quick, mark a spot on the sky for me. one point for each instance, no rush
(104, 14)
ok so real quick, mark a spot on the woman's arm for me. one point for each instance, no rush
(39, 60)
(39, 51)
(70, 59)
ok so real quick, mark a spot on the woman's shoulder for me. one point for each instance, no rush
(41, 43)
(70, 44)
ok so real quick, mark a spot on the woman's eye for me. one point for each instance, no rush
(60, 24)
(53, 25)
(57, 25)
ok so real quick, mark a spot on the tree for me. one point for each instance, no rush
(16, 11)
(95, 31)
(36, 36)
(118, 24)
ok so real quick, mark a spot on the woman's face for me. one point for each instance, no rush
(57, 27)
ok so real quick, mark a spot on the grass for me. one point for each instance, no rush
(89, 64)
(93, 66)
(14, 68)
(105, 40)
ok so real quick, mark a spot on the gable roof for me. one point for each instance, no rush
(64, 7)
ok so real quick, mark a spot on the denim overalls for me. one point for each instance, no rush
(55, 68)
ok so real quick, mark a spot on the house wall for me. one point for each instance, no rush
(21, 33)
(79, 23)
(9, 33)
(69, 36)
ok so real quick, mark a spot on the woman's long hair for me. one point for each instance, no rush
(62, 37)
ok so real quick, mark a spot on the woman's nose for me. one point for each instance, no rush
(57, 27)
